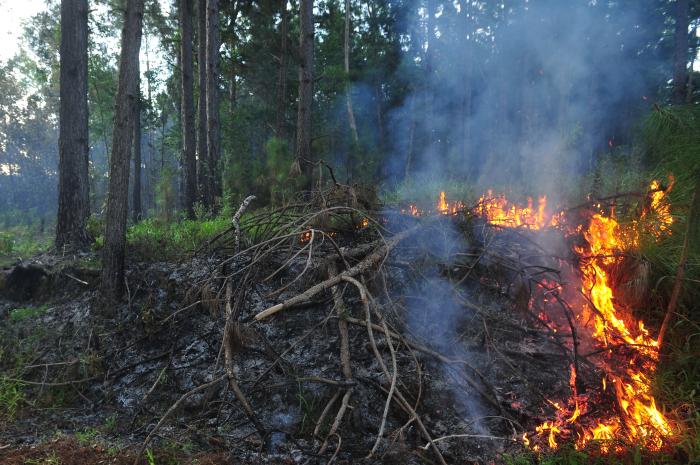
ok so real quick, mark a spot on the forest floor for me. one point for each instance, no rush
(185, 369)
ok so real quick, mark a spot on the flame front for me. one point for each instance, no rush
(635, 417)
(636, 409)
(499, 211)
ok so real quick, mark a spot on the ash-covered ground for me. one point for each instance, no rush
(469, 359)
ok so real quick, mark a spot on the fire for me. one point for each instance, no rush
(446, 208)
(443, 207)
(499, 211)
(659, 209)
(635, 418)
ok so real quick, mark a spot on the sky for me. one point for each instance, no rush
(12, 13)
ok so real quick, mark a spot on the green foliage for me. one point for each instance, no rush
(672, 142)
(155, 239)
(11, 394)
(22, 242)
(150, 458)
(23, 313)
(111, 423)
(424, 191)
(86, 436)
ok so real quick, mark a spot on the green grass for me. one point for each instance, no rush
(11, 394)
(425, 191)
(86, 436)
(19, 314)
(155, 239)
(22, 242)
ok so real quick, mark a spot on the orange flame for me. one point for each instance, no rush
(499, 211)
(636, 419)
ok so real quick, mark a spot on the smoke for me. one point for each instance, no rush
(524, 94)
(516, 98)
(435, 316)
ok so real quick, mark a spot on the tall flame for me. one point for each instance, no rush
(636, 417)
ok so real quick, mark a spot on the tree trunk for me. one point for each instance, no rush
(136, 189)
(73, 179)
(346, 54)
(117, 204)
(189, 160)
(693, 55)
(213, 142)
(411, 136)
(680, 60)
(202, 150)
(280, 119)
(306, 88)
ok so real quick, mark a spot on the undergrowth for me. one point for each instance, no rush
(18, 242)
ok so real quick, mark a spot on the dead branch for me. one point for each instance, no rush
(344, 357)
(364, 266)
(229, 344)
(237, 219)
(170, 411)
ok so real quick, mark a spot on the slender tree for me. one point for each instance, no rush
(189, 160)
(202, 150)
(117, 204)
(73, 181)
(213, 132)
(346, 56)
(306, 87)
(280, 120)
(680, 59)
(136, 189)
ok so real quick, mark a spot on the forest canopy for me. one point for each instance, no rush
(486, 92)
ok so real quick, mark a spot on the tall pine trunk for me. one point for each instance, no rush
(680, 60)
(346, 59)
(73, 179)
(117, 197)
(136, 188)
(213, 133)
(189, 160)
(202, 150)
(280, 117)
(306, 88)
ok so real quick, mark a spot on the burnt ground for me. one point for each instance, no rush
(91, 380)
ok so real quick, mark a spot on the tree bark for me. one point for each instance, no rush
(73, 179)
(306, 88)
(189, 159)
(117, 204)
(280, 117)
(346, 55)
(202, 150)
(680, 60)
(136, 189)
(213, 142)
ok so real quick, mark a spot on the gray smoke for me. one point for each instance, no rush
(525, 95)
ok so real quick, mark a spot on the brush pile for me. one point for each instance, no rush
(329, 331)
